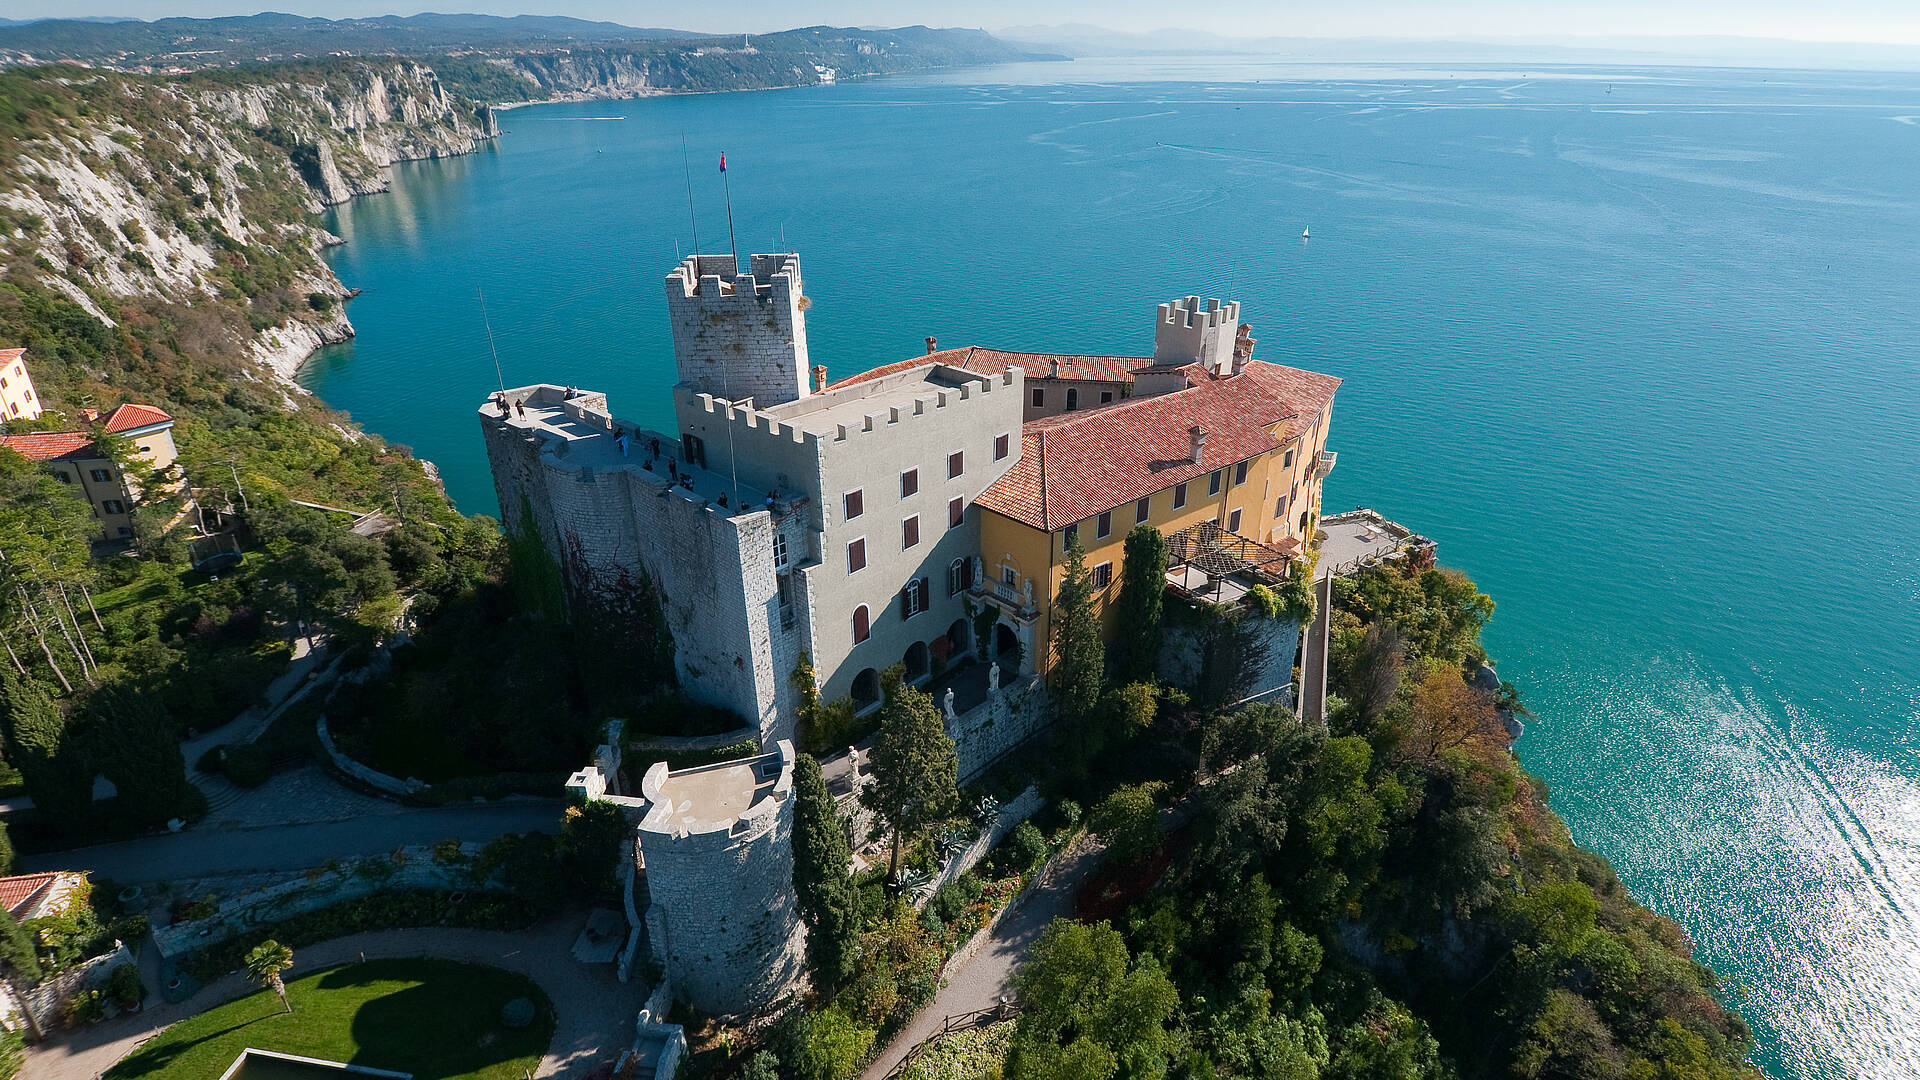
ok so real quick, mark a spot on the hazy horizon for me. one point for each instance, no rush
(1843, 22)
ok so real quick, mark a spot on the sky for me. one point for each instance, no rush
(1874, 21)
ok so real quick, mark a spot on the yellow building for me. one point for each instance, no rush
(17, 399)
(1244, 451)
(74, 459)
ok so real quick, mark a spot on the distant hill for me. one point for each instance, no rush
(276, 36)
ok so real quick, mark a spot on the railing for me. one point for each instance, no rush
(993, 1014)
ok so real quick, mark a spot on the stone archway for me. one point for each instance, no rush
(916, 662)
(1006, 648)
(866, 689)
(958, 637)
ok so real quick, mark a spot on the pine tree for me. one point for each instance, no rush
(1079, 665)
(1143, 586)
(915, 770)
(39, 745)
(822, 860)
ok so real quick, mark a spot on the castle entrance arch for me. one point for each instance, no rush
(1006, 647)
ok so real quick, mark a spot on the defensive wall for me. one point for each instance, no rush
(740, 335)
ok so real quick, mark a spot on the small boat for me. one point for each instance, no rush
(1306, 234)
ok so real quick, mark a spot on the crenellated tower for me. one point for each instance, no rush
(739, 336)
(1189, 332)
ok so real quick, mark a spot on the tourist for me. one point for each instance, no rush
(521, 408)
(621, 441)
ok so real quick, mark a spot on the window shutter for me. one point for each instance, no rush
(906, 602)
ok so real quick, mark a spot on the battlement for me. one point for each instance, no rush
(1190, 332)
(737, 335)
(727, 797)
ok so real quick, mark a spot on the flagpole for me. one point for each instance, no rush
(687, 163)
(731, 244)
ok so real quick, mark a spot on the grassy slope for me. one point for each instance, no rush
(436, 1019)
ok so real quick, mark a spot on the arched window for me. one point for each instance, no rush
(866, 689)
(861, 624)
(1073, 398)
(959, 576)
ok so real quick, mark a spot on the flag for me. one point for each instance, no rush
(723, 163)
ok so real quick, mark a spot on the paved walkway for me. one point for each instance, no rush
(981, 981)
(594, 1012)
(305, 796)
(209, 852)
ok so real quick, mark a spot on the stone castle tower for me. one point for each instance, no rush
(716, 843)
(738, 336)
(1187, 332)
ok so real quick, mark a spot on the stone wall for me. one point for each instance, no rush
(984, 733)
(740, 335)
(1180, 659)
(373, 778)
(1022, 807)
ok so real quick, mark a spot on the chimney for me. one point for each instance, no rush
(1242, 347)
(933, 344)
(1197, 437)
(819, 377)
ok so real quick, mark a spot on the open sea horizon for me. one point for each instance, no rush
(1640, 347)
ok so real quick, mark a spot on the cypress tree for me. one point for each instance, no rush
(1079, 664)
(915, 770)
(822, 861)
(39, 745)
(139, 751)
(1143, 586)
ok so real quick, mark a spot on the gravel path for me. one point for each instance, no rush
(981, 981)
(594, 1012)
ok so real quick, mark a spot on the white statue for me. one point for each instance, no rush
(993, 678)
(949, 705)
(979, 572)
(1026, 594)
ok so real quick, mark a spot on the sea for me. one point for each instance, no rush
(1640, 347)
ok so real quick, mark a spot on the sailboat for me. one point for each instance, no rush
(1306, 234)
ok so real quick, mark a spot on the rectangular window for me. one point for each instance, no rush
(125, 532)
(101, 476)
(1141, 509)
(999, 447)
(856, 504)
(779, 551)
(1233, 522)
(1103, 525)
(956, 512)
(956, 463)
(65, 478)
(1106, 397)
(1213, 483)
(1287, 463)
(910, 532)
(1280, 508)
(1103, 575)
(1179, 496)
(1240, 474)
(786, 601)
(1073, 398)
(1069, 534)
(1039, 397)
(857, 555)
(909, 483)
(112, 506)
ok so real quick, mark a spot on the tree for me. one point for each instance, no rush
(1079, 666)
(824, 891)
(915, 769)
(1372, 672)
(826, 1045)
(265, 962)
(1086, 1012)
(1444, 713)
(6, 851)
(1129, 822)
(18, 959)
(134, 741)
(593, 839)
(1143, 587)
(38, 744)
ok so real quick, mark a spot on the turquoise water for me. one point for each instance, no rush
(1638, 347)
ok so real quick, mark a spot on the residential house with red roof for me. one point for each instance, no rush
(17, 399)
(76, 460)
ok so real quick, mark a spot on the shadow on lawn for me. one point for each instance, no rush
(157, 1054)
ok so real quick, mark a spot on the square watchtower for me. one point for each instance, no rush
(738, 336)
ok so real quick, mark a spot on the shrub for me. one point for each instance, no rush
(13, 1054)
(827, 1045)
(211, 761)
(1024, 848)
(247, 765)
(124, 985)
(951, 902)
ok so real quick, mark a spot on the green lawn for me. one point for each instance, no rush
(435, 1019)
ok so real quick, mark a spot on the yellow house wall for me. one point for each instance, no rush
(1041, 556)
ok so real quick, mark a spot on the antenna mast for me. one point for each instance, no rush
(692, 219)
(732, 245)
(484, 321)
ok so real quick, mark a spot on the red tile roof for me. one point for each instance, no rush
(18, 893)
(1116, 369)
(1075, 465)
(7, 356)
(128, 417)
(49, 445)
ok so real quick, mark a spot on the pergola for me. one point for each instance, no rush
(1203, 560)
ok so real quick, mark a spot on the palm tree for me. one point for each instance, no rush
(265, 962)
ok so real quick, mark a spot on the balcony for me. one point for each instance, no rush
(1324, 464)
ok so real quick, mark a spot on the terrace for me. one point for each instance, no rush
(1206, 562)
(1361, 538)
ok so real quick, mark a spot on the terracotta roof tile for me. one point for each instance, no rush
(48, 445)
(1118, 369)
(19, 892)
(8, 356)
(128, 417)
(1074, 465)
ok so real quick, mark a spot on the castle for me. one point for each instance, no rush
(915, 512)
